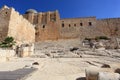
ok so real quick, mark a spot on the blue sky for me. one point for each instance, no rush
(69, 8)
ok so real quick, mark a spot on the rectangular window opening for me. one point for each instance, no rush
(74, 24)
(63, 25)
(69, 25)
(90, 23)
(81, 24)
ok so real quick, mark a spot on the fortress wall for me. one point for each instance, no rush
(35, 19)
(47, 32)
(21, 29)
(49, 27)
(110, 26)
(4, 22)
(103, 27)
(78, 27)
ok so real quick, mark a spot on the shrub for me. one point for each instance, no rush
(104, 37)
(87, 39)
(8, 42)
(101, 37)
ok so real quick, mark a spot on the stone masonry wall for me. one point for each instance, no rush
(47, 25)
(72, 27)
(21, 29)
(110, 27)
(5, 54)
(4, 22)
(47, 32)
(79, 28)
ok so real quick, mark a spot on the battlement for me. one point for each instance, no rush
(41, 17)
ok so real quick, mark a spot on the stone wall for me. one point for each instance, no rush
(21, 29)
(50, 27)
(13, 24)
(47, 25)
(110, 27)
(25, 50)
(4, 22)
(5, 54)
(79, 28)
(49, 31)
(89, 27)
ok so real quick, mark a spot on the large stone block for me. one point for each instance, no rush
(91, 74)
(5, 55)
(108, 76)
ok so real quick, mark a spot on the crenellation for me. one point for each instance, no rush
(39, 18)
(31, 17)
(48, 17)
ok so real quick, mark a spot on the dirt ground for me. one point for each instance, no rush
(60, 68)
(70, 66)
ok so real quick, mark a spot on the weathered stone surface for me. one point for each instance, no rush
(105, 66)
(109, 27)
(4, 20)
(108, 76)
(91, 74)
(25, 51)
(35, 63)
(13, 24)
(117, 70)
(94, 73)
(78, 28)
(47, 25)
(5, 55)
